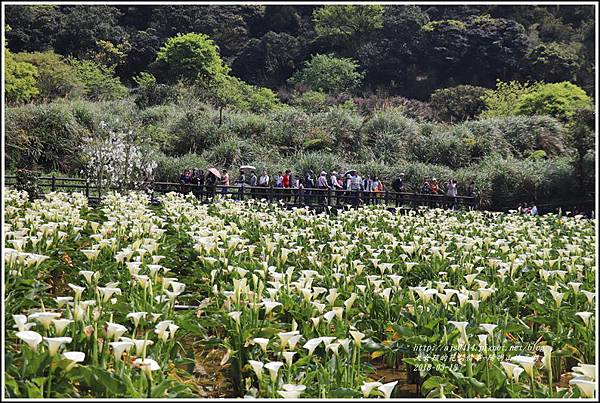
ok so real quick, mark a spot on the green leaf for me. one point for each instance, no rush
(34, 387)
(343, 392)
(268, 332)
(402, 330)
(160, 389)
(433, 382)
(11, 386)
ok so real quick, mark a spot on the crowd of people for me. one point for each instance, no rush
(197, 181)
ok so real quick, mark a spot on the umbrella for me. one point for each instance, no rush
(247, 168)
(215, 172)
(349, 172)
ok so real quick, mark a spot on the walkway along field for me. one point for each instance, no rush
(289, 197)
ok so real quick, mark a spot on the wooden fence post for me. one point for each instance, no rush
(53, 186)
(87, 188)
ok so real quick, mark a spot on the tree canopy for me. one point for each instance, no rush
(403, 50)
(329, 74)
(561, 100)
(347, 25)
(20, 80)
(190, 57)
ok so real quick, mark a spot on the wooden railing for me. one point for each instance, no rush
(311, 197)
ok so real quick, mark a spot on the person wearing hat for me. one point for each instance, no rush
(333, 180)
(322, 184)
(335, 185)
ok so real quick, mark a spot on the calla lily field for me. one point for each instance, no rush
(129, 298)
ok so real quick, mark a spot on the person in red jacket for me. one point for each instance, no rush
(287, 178)
(286, 183)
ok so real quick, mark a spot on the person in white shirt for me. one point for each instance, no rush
(355, 185)
(279, 180)
(335, 185)
(452, 192)
(452, 188)
(264, 179)
(322, 183)
(333, 180)
(356, 182)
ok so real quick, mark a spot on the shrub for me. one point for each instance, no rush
(154, 123)
(411, 108)
(439, 146)
(20, 80)
(554, 61)
(317, 138)
(329, 74)
(414, 109)
(261, 99)
(316, 161)
(457, 104)
(150, 93)
(248, 125)
(84, 114)
(386, 134)
(56, 78)
(98, 81)
(581, 136)
(233, 152)
(46, 136)
(343, 128)
(373, 168)
(158, 114)
(195, 131)
(117, 112)
(485, 139)
(560, 100)
(169, 168)
(503, 100)
(416, 172)
(505, 182)
(310, 101)
(28, 181)
(527, 133)
(558, 179)
(115, 157)
(342, 100)
(287, 130)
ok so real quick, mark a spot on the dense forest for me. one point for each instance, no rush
(402, 50)
(497, 94)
